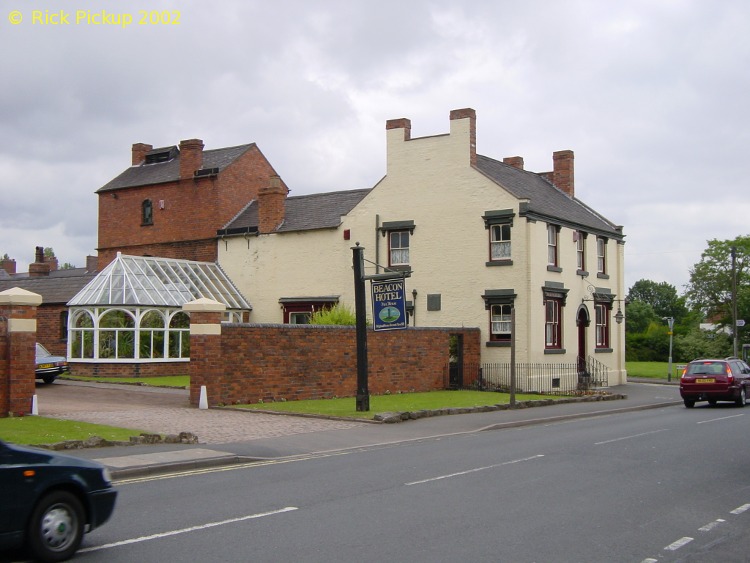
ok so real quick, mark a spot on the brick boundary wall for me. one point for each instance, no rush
(246, 363)
(128, 369)
(18, 311)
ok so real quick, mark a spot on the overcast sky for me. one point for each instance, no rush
(652, 96)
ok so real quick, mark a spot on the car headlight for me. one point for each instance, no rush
(107, 476)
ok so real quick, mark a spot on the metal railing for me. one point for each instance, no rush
(549, 378)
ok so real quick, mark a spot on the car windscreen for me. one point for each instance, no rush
(706, 368)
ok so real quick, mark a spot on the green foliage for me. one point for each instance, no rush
(336, 315)
(702, 344)
(638, 316)
(710, 286)
(40, 430)
(67, 266)
(49, 253)
(662, 297)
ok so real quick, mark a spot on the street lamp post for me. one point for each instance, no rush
(670, 322)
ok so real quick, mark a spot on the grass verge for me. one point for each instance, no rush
(33, 430)
(652, 370)
(347, 407)
(177, 381)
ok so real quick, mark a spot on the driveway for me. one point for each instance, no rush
(167, 411)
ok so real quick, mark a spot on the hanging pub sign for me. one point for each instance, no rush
(388, 304)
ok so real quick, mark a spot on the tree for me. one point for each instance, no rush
(661, 296)
(710, 286)
(638, 316)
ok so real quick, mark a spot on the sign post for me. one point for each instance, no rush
(363, 393)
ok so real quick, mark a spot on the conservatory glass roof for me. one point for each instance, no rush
(161, 282)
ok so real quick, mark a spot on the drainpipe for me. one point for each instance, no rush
(377, 243)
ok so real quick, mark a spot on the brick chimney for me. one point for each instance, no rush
(471, 115)
(92, 263)
(191, 157)
(9, 265)
(39, 268)
(514, 161)
(562, 171)
(271, 206)
(139, 152)
(400, 123)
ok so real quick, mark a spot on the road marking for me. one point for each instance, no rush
(711, 525)
(722, 418)
(649, 560)
(233, 467)
(187, 530)
(741, 509)
(475, 470)
(678, 544)
(633, 436)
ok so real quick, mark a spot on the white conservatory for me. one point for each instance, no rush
(131, 312)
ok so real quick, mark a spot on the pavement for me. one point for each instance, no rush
(227, 436)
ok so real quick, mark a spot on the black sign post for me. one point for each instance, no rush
(360, 308)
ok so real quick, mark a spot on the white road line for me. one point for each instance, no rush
(710, 526)
(722, 418)
(740, 509)
(678, 544)
(633, 436)
(187, 530)
(649, 560)
(460, 473)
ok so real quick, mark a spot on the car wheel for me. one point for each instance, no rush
(740, 402)
(689, 403)
(56, 527)
(49, 378)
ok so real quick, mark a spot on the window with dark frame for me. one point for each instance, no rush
(147, 212)
(603, 311)
(500, 242)
(500, 323)
(552, 324)
(553, 235)
(601, 255)
(580, 251)
(398, 248)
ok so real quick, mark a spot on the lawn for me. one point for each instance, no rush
(347, 407)
(178, 381)
(40, 430)
(652, 370)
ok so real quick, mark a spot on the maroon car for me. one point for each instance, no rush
(715, 380)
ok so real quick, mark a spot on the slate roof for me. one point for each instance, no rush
(545, 201)
(302, 213)
(169, 171)
(57, 288)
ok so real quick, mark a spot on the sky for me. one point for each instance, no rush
(652, 97)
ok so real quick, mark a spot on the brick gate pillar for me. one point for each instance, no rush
(206, 367)
(17, 350)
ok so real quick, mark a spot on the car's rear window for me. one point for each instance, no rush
(706, 368)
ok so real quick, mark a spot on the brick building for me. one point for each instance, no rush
(172, 200)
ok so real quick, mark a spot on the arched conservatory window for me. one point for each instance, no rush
(152, 334)
(179, 335)
(117, 335)
(82, 335)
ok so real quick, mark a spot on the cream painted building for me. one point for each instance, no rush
(480, 236)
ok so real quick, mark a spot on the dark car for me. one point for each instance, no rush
(48, 501)
(715, 380)
(48, 367)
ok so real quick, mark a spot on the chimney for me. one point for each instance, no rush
(92, 263)
(191, 157)
(401, 123)
(271, 206)
(139, 152)
(562, 174)
(514, 161)
(471, 115)
(9, 265)
(54, 264)
(39, 268)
